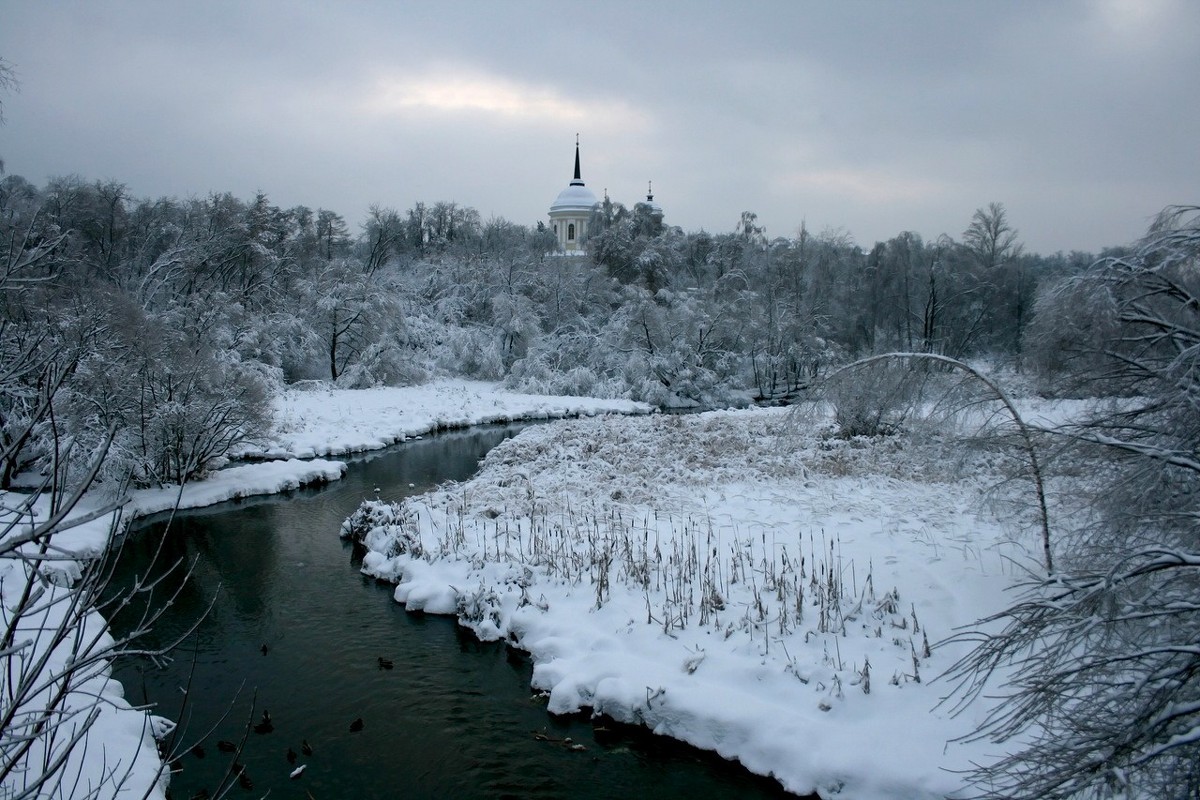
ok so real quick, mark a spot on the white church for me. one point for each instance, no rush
(571, 210)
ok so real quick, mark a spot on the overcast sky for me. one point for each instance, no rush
(1082, 118)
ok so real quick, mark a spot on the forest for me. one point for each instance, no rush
(171, 322)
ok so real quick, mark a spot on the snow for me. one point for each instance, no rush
(316, 422)
(654, 567)
(324, 421)
(575, 198)
(119, 756)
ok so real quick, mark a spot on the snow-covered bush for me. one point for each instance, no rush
(184, 403)
(872, 401)
(473, 352)
(1065, 341)
(388, 527)
(383, 364)
(480, 610)
(535, 377)
(567, 362)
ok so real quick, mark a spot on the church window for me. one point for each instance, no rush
(571, 232)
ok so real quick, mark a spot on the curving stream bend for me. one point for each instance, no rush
(452, 718)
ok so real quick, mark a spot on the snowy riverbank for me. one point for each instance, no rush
(120, 757)
(725, 579)
(330, 422)
(323, 421)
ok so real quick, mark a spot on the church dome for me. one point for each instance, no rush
(576, 197)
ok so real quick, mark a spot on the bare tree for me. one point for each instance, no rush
(993, 246)
(990, 239)
(56, 652)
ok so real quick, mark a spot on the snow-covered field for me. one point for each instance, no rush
(120, 756)
(736, 580)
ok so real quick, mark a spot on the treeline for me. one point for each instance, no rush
(166, 324)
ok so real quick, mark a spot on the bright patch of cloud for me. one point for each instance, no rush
(1122, 14)
(1136, 23)
(455, 91)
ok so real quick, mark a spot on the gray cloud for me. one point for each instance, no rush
(867, 116)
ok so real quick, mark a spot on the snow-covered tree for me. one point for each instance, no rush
(55, 650)
(1101, 660)
(352, 326)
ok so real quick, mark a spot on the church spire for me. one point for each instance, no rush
(570, 212)
(577, 178)
(655, 209)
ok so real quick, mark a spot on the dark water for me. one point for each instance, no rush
(453, 718)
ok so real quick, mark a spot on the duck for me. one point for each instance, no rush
(264, 648)
(306, 748)
(291, 756)
(265, 726)
(244, 781)
(357, 725)
(198, 750)
(385, 663)
(226, 746)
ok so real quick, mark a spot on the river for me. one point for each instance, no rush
(295, 630)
